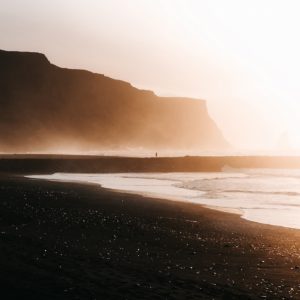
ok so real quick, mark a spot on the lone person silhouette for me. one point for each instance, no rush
(155, 154)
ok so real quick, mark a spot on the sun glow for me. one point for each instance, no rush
(241, 56)
(256, 42)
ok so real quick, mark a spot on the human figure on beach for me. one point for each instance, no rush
(155, 154)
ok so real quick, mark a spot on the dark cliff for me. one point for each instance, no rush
(47, 107)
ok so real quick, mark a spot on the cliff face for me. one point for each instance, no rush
(44, 106)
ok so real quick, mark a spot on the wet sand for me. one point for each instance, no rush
(76, 241)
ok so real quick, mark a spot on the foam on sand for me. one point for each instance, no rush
(261, 195)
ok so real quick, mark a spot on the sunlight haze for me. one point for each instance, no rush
(242, 57)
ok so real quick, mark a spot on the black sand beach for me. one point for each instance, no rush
(72, 241)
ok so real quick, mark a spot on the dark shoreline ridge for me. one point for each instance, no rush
(71, 241)
(45, 164)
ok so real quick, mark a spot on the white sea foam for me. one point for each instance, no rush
(261, 195)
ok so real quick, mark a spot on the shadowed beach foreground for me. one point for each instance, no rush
(72, 241)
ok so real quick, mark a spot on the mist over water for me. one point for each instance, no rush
(261, 195)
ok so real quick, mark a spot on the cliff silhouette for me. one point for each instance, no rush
(44, 106)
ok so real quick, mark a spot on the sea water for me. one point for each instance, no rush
(269, 196)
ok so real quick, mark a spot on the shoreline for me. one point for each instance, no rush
(150, 196)
(242, 213)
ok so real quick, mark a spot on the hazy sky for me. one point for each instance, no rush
(243, 57)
